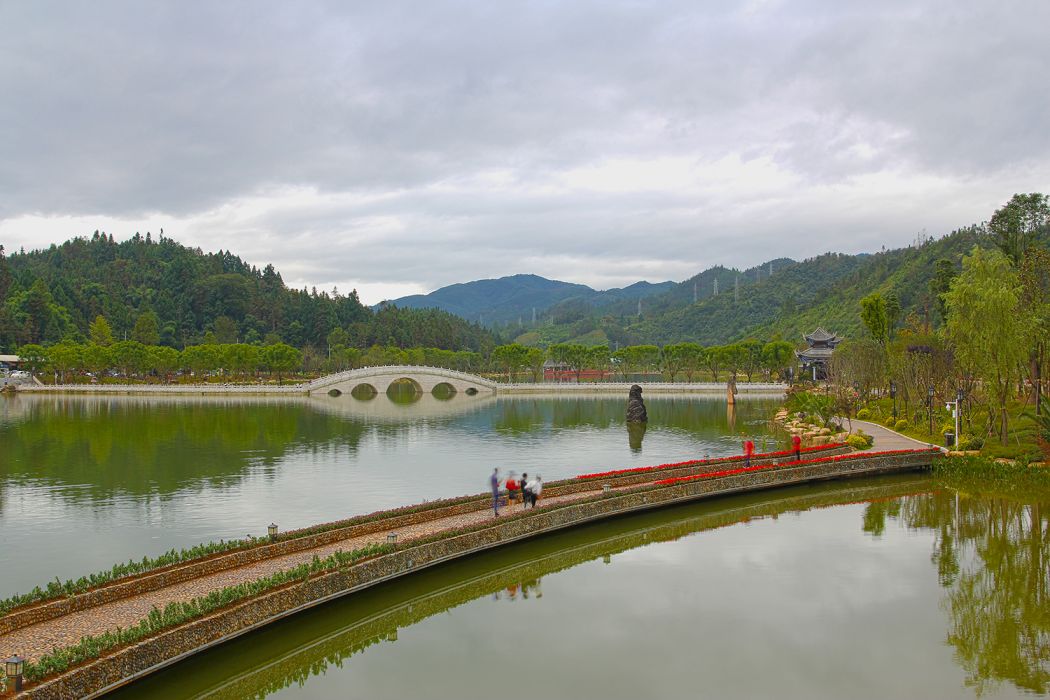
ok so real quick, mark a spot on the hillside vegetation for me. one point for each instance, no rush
(796, 298)
(163, 293)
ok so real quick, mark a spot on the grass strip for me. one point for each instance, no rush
(177, 613)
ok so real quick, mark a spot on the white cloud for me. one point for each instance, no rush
(407, 146)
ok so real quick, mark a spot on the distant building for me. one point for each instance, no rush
(815, 358)
(9, 362)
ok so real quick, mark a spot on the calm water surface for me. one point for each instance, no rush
(866, 589)
(89, 481)
(894, 587)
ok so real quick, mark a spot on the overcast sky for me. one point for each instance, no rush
(398, 147)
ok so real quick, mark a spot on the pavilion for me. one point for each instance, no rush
(815, 358)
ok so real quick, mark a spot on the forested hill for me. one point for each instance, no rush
(193, 297)
(786, 300)
(508, 299)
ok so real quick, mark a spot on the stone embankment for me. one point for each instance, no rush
(426, 535)
(811, 433)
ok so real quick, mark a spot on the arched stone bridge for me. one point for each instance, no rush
(380, 379)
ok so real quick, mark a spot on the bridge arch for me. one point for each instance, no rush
(425, 378)
(363, 392)
(443, 391)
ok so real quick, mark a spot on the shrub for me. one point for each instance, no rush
(863, 414)
(970, 442)
(857, 442)
(890, 422)
(901, 425)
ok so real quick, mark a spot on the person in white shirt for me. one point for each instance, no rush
(533, 490)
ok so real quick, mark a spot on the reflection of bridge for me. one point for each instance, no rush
(425, 379)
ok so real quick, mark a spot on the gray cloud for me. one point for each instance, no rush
(425, 143)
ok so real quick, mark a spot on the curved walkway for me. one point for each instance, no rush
(886, 439)
(37, 639)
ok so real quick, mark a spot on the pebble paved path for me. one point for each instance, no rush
(33, 641)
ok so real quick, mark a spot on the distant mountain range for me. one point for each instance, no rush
(498, 302)
(779, 298)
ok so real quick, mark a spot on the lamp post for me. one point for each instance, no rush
(272, 531)
(929, 396)
(391, 538)
(13, 670)
(893, 395)
(958, 413)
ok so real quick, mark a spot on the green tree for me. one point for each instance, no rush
(1015, 226)
(33, 357)
(96, 358)
(534, 358)
(147, 329)
(751, 356)
(225, 330)
(64, 357)
(201, 359)
(674, 358)
(163, 360)
(240, 358)
(100, 332)
(988, 327)
(281, 359)
(599, 357)
(777, 356)
(733, 358)
(943, 273)
(876, 320)
(5, 275)
(130, 357)
(509, 358)
(1035, 298)
(715, 359)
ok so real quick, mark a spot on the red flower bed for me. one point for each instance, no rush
(818, 460)
(716, 460)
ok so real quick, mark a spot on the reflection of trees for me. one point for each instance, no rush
(292, 652)
(137, 446)
(688, 414)
(992, 556)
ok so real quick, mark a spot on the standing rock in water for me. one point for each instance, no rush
(636, 407)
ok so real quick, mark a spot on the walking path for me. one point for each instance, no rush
(886, 439)
(35, 640)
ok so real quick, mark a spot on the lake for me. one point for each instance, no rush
(903, 586)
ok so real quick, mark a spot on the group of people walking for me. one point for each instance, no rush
(513, 489)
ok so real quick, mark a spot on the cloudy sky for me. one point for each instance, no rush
(395, 147)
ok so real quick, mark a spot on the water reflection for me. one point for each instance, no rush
(992, 555)
(135, 475)
(635, 435)
(994, 596)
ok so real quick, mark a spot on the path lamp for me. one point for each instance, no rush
(272, 531)
(391, 539)
(893, 395)
(929, 396)
(13, 670)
